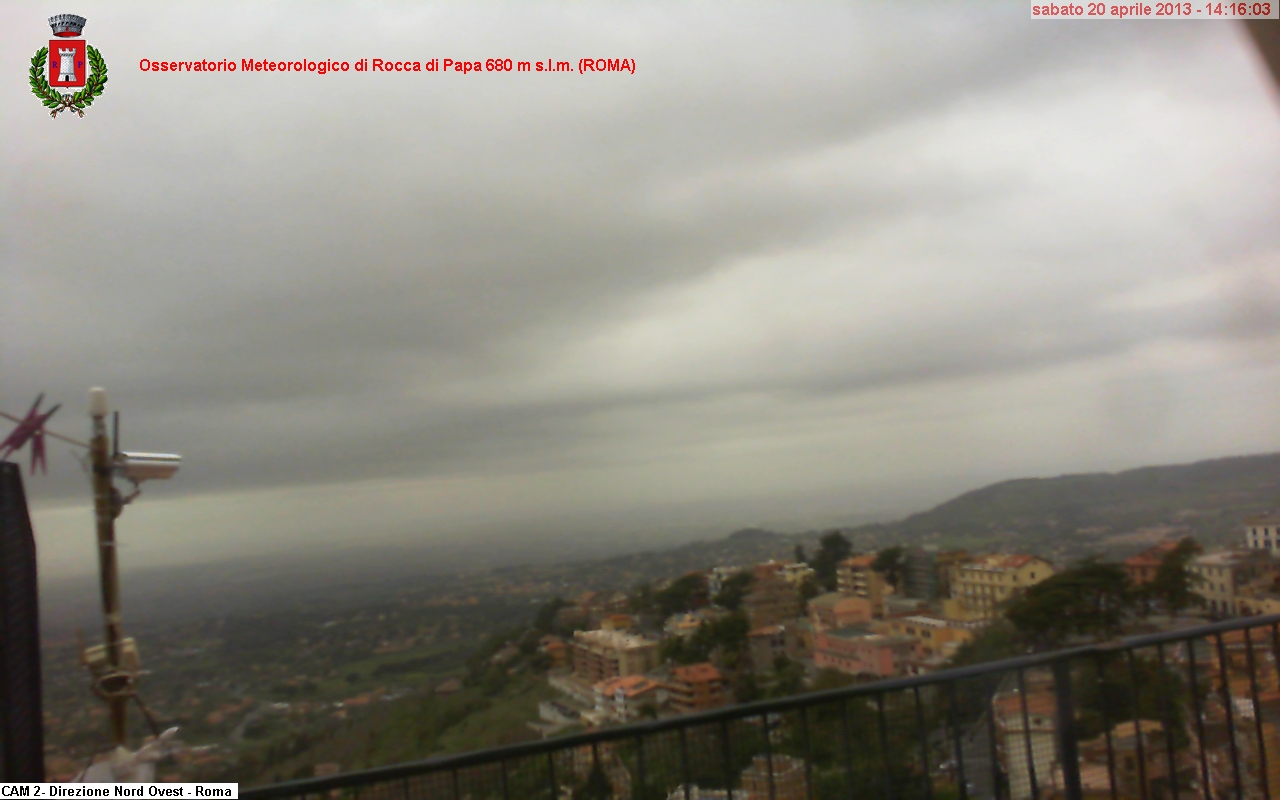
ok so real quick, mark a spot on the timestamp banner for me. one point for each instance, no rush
(109, 790)
(1267, 9)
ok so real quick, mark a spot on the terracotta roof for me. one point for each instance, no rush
(696, 673)
(1152, 555)
(1015, 561)
(1145, 559)
(629, 685)
(860, 561)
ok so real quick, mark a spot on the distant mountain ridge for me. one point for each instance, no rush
(1072, 514)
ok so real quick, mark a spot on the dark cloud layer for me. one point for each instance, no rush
(804, 249)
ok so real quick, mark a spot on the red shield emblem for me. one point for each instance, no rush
(67, 65)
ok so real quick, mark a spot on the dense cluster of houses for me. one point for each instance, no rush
(874, 625)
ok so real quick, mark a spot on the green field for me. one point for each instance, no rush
(422, 725)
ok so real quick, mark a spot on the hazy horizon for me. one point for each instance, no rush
(807, 263)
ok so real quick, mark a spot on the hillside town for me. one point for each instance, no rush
(729, 634)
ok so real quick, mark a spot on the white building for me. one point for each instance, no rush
(1262, 533)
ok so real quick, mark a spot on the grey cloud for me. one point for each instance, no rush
(366, 283)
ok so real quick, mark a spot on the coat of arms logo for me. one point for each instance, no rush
(69, 59)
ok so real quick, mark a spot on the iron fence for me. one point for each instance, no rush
(1190, 713)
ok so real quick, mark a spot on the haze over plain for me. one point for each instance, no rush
(807, 262)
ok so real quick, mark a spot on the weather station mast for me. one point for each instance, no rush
(114, 666)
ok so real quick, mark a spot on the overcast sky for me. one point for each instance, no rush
(808, 261)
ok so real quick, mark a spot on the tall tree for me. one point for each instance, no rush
(1090, 599)
(684, 594)
(892, 563)
(545, 620)
(1173, 586)
(732, 590)
(809, 589)
(833, 548)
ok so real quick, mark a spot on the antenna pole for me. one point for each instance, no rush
(118, 685)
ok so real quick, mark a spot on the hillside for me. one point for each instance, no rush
(1115, 513)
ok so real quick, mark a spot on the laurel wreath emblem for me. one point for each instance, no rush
(78, 102)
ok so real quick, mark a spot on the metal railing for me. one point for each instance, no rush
(1190, 713)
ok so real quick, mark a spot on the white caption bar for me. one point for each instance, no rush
(110, 790)
(1266, 9)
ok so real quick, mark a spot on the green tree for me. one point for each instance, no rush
(833, 548)
(494, 680)
(684, 594)
(809, 589)
(892, 563)
(828, 678)
(724, 639)
(788, 677)
(1090, 599)
(745, 687)
(801, 556)
(1173, 586)
(545, 620)
(642, 600)
(681, 651)
(733, 589)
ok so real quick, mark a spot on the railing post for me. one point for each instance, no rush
(1064, 730)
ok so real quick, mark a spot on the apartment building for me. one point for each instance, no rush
(764, 645)
(835, 610)
(624, 698)
(980, 587)
(1262, 533)
(796, 572)
(771, 600)
(696, 687)
(1223, 576)
(944, 565)
(600, 655)
(1025, 727)
(856, 578)
(859, 651)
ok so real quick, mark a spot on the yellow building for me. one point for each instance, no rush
(1222, 577)
(856, 578)
(980, 587)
